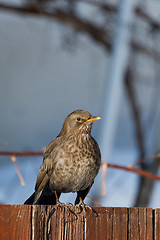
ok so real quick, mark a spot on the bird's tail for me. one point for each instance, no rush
(42, 198)
(30, 200)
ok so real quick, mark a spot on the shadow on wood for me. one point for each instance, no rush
(24, 222)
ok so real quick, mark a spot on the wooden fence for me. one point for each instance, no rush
(24, 222)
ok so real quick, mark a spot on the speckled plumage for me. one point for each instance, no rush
(71, 161)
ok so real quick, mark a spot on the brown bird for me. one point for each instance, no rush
(71, 162)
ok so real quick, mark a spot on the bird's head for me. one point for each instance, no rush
(78, 122)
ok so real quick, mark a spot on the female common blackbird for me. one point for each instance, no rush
(71, 162)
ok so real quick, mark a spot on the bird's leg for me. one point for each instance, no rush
(84, 206)
(60, 204)
(81, 194)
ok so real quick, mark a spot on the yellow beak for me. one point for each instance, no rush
(93, 119)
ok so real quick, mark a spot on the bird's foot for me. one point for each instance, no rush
(83, 207)
(66, 205)
(60, 204)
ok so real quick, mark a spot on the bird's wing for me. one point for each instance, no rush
(48, 165)
(49, 149)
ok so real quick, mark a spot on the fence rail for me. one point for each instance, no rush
(25, 222)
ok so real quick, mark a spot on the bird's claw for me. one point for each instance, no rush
(60, 204)
(84, 206)
(66, 205)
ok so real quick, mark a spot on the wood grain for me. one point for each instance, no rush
(15, 222)
(24, 222)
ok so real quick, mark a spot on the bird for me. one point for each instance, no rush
(70, 162)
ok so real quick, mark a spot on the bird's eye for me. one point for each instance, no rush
(78, 119)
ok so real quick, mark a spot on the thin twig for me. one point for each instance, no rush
(97, 203)
(144, 160)
(104, 171)
(134, 170)
(13, 158)
(23, 154)
(130, 169)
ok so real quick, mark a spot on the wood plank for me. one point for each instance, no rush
(95, 227)
(15, 222)
(70, 224)
(52, 222)
(149, 224)
(77, 225)
(109, 223)
(133, 224)
(39, 222)
(120, 222)
(145, 222)
(24, 222)
(140, 224)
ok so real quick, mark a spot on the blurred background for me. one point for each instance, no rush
(100, 56)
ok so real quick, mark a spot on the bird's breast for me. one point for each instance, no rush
(76, 167)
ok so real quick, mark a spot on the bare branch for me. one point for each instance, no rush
(108, 7)
(156, 157)
(134, 170)
(141, 48)
(23, 154)
(141, 13)
(13, 158)
(130, 169)
(136, 112)
(97, 203)
(98, 34)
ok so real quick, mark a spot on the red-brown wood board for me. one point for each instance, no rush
(25, 222)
